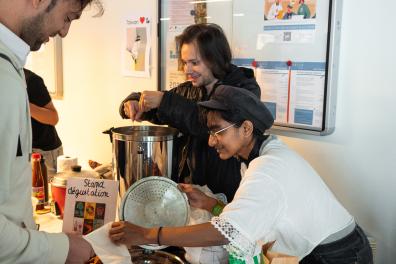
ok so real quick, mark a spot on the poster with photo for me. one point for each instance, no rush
(89, 204)
(137, 47)
(289, 21)
(184, 13)
(174, 74)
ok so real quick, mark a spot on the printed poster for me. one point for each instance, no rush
(174, 74)
(289, 21)
(294, 94)
(89, 204)
(137, 47)
(183, 13)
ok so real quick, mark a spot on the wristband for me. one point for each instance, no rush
(218, 208)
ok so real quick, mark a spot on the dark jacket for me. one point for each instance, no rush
(179, 109)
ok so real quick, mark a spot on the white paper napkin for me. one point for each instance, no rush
(105, 249)
(214, 254)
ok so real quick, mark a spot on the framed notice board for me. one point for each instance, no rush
(292, 46)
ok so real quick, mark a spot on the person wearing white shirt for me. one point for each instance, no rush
(275, 10)
(280, 198)
(25, 25)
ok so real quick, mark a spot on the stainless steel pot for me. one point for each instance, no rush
(142, 151)
(143, 256)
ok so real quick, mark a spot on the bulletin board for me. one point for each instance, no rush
(292, 46)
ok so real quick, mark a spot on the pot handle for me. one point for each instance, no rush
(140, 158)
(110, 133)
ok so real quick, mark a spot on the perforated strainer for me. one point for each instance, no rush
(155, 201)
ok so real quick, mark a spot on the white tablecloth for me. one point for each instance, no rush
(49, 223)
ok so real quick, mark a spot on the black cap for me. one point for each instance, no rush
(249, 105)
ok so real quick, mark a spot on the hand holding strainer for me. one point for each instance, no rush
(154, 202)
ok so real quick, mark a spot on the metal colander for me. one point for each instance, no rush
(155, 201)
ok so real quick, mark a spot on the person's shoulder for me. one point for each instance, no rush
(29, 75)
(245, 72)
(273, 141)
(244, 78)
(276, 151)
(12, 88)
(9, 77)
(187, 90)
(273, 146)
(28, 72)
(181, 88)
(186, 84)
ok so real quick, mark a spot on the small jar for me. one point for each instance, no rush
(58, 190)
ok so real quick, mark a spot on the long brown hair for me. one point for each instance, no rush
(212, 45)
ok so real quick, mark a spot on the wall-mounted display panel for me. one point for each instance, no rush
(292, 46)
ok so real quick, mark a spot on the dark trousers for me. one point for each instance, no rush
(352, 249)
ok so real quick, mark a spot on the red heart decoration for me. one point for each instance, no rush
(141, 19)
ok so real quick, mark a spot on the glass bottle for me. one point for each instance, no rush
(45, 178)
(37, 181)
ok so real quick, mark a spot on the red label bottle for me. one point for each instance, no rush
(37, 181)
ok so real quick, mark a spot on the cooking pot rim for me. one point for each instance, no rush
(144, 133)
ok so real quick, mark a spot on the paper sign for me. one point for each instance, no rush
(137, 46)
(89, 204)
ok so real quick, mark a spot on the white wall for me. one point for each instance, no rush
(358, 161)
(93, 84)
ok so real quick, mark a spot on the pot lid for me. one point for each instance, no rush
(155, 201)
(60, 178)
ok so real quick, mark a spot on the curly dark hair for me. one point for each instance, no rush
(84, 3)
(212, 45)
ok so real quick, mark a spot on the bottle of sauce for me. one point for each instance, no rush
(37, 181)
(45, 178)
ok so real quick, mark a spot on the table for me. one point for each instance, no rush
(49, 222)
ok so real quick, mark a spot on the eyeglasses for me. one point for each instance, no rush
(215, 134)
